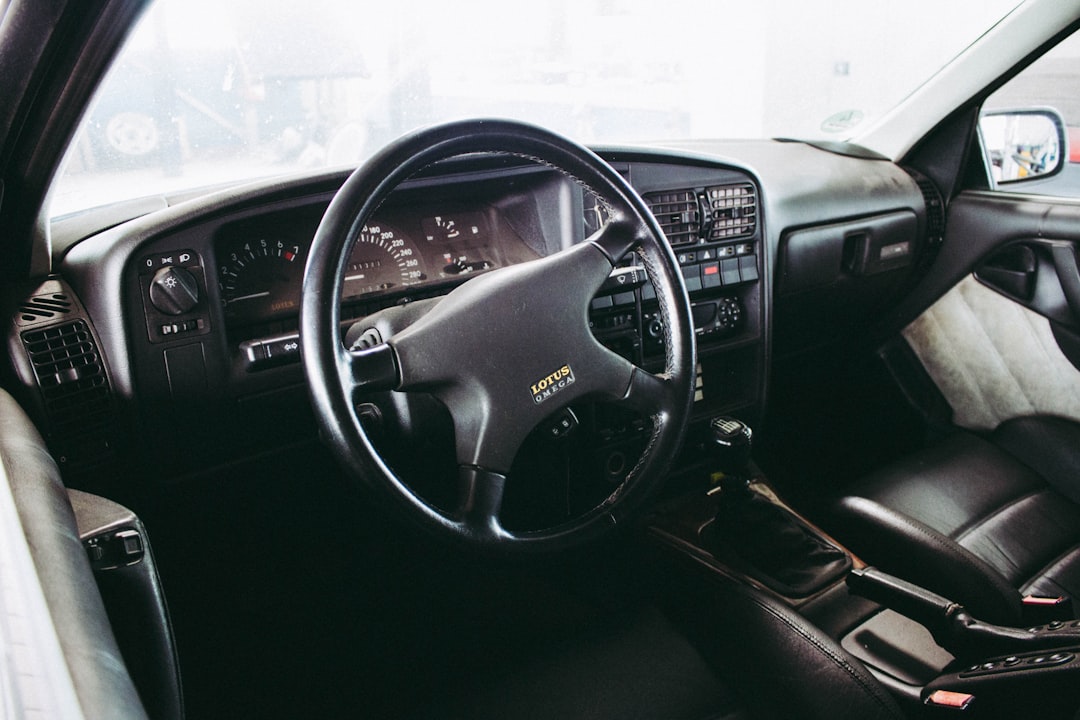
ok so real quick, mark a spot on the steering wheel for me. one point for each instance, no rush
(505, 350)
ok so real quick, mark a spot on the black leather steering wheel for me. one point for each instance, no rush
(505, 350)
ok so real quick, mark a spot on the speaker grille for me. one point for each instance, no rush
(43, 307)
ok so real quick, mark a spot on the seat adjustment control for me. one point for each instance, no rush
(115, 548)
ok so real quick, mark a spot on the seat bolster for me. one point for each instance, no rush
(914, 551)
(102, 683)
(1048, 445)
(951, 485)
(786, 668)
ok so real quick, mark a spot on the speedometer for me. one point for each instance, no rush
(382, 259)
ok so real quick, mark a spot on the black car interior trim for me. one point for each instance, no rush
(100, 677)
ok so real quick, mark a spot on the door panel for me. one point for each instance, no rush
(1007, 291)
(1040, 274)
(992, 358)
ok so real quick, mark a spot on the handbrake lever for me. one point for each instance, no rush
(950, 623)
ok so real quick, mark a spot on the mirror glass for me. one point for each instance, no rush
(1021, 145)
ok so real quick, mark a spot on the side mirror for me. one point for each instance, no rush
(1024, 144)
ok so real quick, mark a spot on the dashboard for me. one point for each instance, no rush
(190, 313)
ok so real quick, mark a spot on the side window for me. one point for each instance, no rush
(1030, 127)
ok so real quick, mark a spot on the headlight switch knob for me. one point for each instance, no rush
(173, 290)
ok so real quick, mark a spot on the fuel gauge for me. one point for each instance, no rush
(458, 229)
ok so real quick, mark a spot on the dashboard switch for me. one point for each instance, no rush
(692, 277)
(564, 423)
(748, 268)
(710, 275)
(173, 290)
(729, 271)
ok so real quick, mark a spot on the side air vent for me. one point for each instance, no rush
(43, 307)
(678, 214)
(71, 376)
(935, 207)
(734, 211)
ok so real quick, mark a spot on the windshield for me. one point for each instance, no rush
(212, 91)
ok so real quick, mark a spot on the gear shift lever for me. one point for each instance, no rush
(780, 550)
(732, 440)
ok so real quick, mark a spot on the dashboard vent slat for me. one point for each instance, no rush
(734, 211)
(70, 375)
(935, 207)
(678, 215)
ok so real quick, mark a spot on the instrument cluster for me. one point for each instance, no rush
(261, 262)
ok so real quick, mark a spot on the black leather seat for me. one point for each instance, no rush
(981, 521)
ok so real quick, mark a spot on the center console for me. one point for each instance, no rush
(934, 656)
(741, 529)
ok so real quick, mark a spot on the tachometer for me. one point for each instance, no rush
(382, 259)
(260, 278)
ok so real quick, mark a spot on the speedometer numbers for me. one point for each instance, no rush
(381, 260)
(261, 268)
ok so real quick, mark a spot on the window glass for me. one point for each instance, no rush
(1052, 82)
(213, 91)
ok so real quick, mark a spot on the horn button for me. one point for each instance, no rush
(509, 348)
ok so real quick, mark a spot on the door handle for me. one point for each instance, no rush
(1013, 271)
(1064, 254)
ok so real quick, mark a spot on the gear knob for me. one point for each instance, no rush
(731, 444)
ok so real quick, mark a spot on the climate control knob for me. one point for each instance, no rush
(173, 290)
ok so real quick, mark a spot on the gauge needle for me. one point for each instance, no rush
(252, 296)
(354, 277)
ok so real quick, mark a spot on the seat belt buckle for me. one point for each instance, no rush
(1039, 610)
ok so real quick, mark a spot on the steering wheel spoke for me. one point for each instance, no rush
(618, 237)
(480, 499)
(370, 370)
(649, 394)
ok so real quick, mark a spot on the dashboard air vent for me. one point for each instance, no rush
(71, 376)
(734, 211)
(935, 207)
(43, 307)
(678, 215)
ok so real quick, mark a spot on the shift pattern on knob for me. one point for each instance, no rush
(173, 290)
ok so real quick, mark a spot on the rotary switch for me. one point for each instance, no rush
(173, 290)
